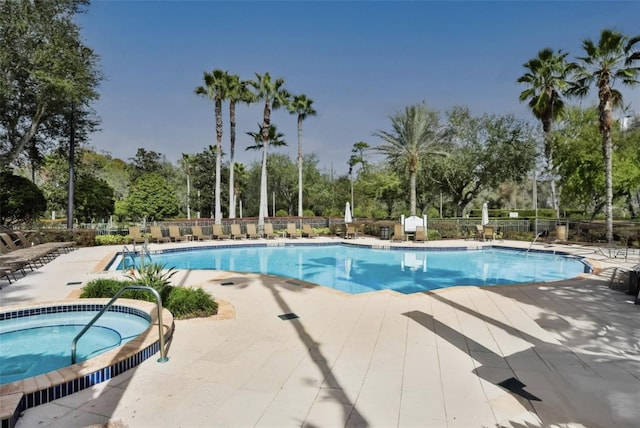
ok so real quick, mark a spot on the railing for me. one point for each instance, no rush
(144, 254)
(163, 353)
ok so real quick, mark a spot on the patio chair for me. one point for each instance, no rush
(268, 231)
(351, 232)
(175, 235)
(252, 233)
(218, 233)
(479, 232)
(398, 233)
(236, 233)
(199, 235)
(292, 232)
(135, 235)
(307, 232)
(420, 236)
(488, 232)
(156, 234)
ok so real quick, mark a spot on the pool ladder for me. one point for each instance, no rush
(163, 353)
(144, 254)
(534, 241)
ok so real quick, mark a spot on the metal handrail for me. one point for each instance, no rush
(144, 253)
(163, 355)
(125, 253)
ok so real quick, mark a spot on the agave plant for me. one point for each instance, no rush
(153, 275)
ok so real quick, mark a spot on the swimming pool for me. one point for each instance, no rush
(359, 269)
(36, 344)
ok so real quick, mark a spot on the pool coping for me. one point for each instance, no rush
(18, 396)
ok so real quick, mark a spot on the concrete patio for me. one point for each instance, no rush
(454, 358)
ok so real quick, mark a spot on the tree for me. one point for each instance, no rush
(46, 74)
(274, 95)
(302, 107)
(94, 199)
(546, 79)
(416, 134)
(237, 91)
(580, 162)
(215, 88)
(483, 152)
(21, 201)
(146, 162)
(151, 197)
(240, 181)
(611, 59)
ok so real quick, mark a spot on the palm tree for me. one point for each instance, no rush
(546, 79)
(237, 91)
(276, 138)
(611, 59)
(274, 95)
(416, 133)
(302, 106)
(241, 176)
(215, 88)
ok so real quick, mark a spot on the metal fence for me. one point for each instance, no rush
(581, 231)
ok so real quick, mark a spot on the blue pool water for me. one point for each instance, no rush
(355, 269)
(33, 345)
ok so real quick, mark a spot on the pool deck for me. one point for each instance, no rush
(453, 358)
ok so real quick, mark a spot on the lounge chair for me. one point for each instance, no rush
(488, 232)
(398, 233)
(135, 235)
(37, 238)
(307, 232)
(156, 235)
(32, 257)
(479, 232)
(351, 232)
(252, 233)
(175, 235)
(268, 231)
(292, 232)
(236, 233)
(218, 233)
(420, 236)
(199, 235)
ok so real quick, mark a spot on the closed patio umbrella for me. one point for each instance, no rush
(347, 214)
(485, 214)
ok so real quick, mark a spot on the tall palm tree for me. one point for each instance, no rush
(302, 106)
(215, 88)
(237, 91)
(274, 95)
(241, 176)
(612, 58)
(276, 138)
(416, 134)
(546, 79)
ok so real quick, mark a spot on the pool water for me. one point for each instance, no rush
(354, 269)
(33, 345)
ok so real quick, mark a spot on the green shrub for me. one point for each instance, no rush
(190, 303)
(282, 213)
(379, 214)
(181, 302)
(308, 213)
(106, 288)
(433, 235)
(112, 240)
(449, 229)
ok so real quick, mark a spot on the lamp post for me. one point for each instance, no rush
(72, 149)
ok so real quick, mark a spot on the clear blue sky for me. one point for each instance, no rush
(359, 61)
